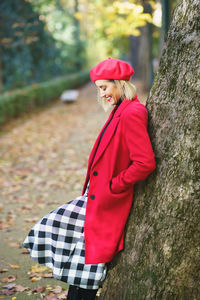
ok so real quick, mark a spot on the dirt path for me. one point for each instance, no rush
(43, 162)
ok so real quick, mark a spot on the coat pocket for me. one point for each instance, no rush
(114, 189)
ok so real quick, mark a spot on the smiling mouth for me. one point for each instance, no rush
(108, 99)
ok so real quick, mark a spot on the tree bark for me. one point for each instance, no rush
(161, 258)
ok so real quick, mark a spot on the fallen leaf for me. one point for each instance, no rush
(20, 288)
(3, 270)
(9, 278)
(25, 251)
(39, 289)
(51, 296)
(14, 245)
(9, 286)
(25, 208)
(36, 279)
(57, 289)
(14, 189)
(31, 220)
(38, 268)
(8, 239)
(34, 274)
(8, 292)
(9, 289)
(14, 266)
(6, 224)
(63, 295)
(47, 275)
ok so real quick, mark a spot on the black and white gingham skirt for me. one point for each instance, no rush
(57, 241)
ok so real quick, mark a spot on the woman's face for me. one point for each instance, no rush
(108, 90)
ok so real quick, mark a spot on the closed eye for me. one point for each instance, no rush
(102, 87)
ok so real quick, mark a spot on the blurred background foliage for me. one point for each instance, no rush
(44, 39)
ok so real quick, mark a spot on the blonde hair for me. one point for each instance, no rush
(126, 88)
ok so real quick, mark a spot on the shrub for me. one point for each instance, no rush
(13, 104)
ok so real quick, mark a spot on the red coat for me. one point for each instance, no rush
(124, 156)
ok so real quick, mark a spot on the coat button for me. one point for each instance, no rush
(95, 173)
(92, 196)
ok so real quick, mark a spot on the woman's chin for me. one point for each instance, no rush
(111, 101)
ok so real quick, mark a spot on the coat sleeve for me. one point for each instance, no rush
(142, 160)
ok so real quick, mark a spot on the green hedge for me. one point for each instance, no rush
(12, 104)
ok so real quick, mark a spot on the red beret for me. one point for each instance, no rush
(111, 68)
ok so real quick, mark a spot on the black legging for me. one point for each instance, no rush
(77, 293)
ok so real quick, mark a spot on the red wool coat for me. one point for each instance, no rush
(124, 156)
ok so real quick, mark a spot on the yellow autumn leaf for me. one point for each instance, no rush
(38, 269)
(147, 17)
(141, 23)
(49, 288)
(36, 279)
(153, 4)
(136, 32)
(110, 16)
(127, 7)
(78, 16)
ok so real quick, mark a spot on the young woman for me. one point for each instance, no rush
(80, 237)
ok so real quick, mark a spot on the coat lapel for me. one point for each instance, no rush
(109, 131)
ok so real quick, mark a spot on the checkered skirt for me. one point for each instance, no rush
(57, 241)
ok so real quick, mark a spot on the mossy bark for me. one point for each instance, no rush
(161, 259)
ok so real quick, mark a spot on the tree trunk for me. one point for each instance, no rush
(161, 259)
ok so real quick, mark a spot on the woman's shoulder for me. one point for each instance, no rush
(135, 108)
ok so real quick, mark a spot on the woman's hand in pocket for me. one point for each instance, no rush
(116, 189)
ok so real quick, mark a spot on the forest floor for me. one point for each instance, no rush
(43, 163)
